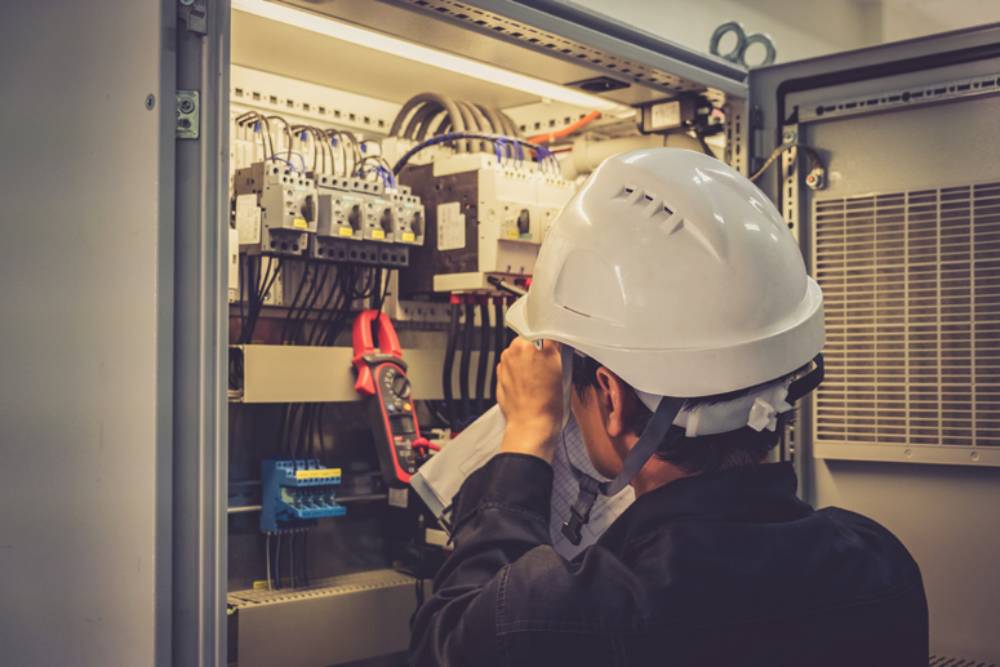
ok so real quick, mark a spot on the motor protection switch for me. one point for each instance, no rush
(359, 221)
(407, 218)
(275, 209)
(381, 377)
(342, 209)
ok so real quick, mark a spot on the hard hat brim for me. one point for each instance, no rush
(516, 318)
(693, 372)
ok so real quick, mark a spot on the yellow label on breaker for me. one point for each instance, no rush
(378, 234)
(317, 473)
(300, 223)
(409, 237)
(346, 231)
(512, 234)
(259, 585)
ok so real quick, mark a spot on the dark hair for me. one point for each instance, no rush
(705, 453)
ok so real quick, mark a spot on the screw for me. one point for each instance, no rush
(187, 3)
(186, 105)
(150, 101)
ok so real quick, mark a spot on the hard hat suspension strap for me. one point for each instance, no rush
(807, 382)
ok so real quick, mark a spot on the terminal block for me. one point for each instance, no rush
(274, 209)
(295, 493)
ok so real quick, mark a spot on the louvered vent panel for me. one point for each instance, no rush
(911, 282)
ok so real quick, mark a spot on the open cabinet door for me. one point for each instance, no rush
(112, 395)
(903, 238)
(86, 391)
(200, 329)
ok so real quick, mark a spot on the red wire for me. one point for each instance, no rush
(566, 131)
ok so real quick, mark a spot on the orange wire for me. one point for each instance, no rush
(566, 131)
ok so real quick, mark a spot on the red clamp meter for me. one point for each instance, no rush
(382, 377)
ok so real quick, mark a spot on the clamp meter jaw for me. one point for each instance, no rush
(382, 377)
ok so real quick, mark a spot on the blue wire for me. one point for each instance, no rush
(520, 144)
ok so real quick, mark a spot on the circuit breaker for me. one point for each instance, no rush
(354, 210)
(274, 209)
(408, 217)
(484, 216)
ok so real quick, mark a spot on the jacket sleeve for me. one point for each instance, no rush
(501, 513)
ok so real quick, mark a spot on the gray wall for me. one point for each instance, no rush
(86, 263)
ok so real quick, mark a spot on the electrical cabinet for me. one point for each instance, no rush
(363, 167)
(419, 182)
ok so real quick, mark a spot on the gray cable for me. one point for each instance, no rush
(457, 119)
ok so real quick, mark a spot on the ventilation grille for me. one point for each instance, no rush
(911, 283)
(945, 661)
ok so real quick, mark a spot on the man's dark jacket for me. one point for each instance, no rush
(721, 569)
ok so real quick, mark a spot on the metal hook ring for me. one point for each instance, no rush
(764, 40)
(722, 31)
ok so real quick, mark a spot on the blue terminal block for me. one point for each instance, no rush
(295, 493)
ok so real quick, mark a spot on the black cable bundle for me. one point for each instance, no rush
(499, 341)
(261, 286)
(468, 332)
(484, 353)
(296, 302)
(449, 362)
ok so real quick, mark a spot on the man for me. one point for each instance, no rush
(679, 323)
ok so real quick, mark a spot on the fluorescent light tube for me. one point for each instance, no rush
(421, 54)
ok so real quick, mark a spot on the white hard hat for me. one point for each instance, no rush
(674, 271)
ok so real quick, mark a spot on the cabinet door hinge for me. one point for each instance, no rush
(192, 12)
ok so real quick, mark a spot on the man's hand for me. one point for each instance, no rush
(529, 391)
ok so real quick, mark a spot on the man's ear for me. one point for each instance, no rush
(620, 407)
(612, 402)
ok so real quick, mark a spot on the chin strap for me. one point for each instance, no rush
(652, 437)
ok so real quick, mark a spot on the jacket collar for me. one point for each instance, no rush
(761, 493)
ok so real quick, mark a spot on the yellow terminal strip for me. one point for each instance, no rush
(317, 473)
